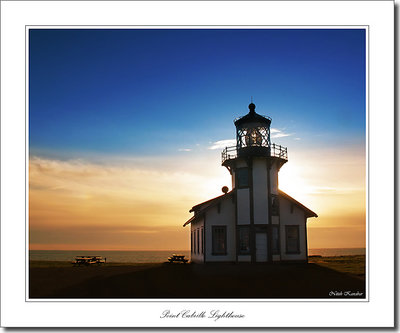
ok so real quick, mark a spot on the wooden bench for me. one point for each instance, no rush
(88, 261)
(177, 258)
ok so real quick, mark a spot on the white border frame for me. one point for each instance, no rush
(378, 312)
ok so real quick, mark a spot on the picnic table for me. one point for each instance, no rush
(88, 260)
(177, 258)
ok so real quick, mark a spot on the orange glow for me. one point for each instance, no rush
(142, 204)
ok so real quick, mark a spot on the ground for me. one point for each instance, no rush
(322, 277)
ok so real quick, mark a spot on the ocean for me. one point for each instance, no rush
(157, 256)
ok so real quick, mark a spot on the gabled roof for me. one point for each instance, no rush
(308, 211)
(202, 207)
(209, 202)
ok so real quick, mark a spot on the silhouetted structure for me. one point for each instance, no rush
(255, 222)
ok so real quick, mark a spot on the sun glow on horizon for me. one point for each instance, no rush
(133, 206)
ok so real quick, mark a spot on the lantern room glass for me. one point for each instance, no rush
(257, 136)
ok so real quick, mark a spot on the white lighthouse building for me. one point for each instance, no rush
(255, 221)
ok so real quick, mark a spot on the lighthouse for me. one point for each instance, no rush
(255, 221)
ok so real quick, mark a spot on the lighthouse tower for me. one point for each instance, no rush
(254, 164)
(255, 221)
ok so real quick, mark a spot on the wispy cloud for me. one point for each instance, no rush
(276, 133)
(222, 144)
(184, 149)
(334, 190)
(122, 197)
(111, 237)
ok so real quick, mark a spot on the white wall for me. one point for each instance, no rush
(197, 226)
(295, 218)
(260, 191)
(225, 217)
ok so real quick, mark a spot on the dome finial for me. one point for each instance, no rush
(252, 106)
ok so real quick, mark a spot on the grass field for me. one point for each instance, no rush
(322, 277)
(352, 265)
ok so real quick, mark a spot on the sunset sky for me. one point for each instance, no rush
(126, 129)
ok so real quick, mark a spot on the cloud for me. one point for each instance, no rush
(275, 133)
(184, 149)
(127, 202)
(335, 237)
(117, 198)
(112, 237)
(334, 190)
(221, 144)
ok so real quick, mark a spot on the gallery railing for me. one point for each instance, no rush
(230, 153)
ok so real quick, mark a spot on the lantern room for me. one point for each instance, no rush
(253, 134)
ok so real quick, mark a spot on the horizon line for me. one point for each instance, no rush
(315, 248)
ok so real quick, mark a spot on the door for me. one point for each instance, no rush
(261, 247)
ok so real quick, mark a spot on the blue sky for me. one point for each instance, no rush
(122, 122)
(152, 92)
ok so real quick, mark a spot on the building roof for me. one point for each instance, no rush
(209, 202)
(204, 206)
(252, 116)
(308, 211)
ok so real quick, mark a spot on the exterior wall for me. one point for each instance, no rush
(240, 163)
(243, 206)
(274, 178)
(260, 191)
(225, 217)
(244, 258)
(276, 257)
(197, 256)
(275, 219)
(296, 217)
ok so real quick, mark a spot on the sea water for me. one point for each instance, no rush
(157, 256)
(111, 256)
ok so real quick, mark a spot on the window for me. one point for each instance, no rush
(274, 205)
(275, 240)
(244, 240)
(197, 241)
(194, 241)
(292, 239)
(219, 240)
(242, 177)
(202, 240)
(253, 136)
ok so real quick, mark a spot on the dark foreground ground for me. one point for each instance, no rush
(327, 277)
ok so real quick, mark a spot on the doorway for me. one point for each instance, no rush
(261, 247)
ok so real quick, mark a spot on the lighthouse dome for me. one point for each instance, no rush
(252, 117)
